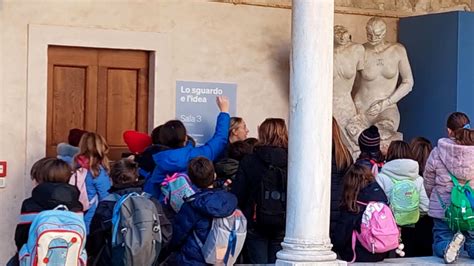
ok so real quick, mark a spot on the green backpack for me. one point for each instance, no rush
(459, 215)
(405, 202)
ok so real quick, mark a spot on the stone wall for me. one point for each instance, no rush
(376, 7)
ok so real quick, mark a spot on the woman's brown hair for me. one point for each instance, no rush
(341, 153)
(464, 136)
(94, 147)
(421, 149)
(398, 149)
(273, 132)
(356, 178)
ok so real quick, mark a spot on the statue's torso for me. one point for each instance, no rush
(378, 79)
(346, 63)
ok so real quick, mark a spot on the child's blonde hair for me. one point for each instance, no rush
(94, 147)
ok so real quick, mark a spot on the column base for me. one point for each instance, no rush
(298, 252)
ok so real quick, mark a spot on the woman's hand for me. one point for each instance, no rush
(223, 103)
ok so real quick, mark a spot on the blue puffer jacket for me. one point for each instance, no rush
(97, 189)
(196, 216)
(171, 161)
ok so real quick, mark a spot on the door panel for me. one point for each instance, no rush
(99, 90)
(121, 106)
(72, 90)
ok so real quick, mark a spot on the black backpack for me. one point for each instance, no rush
(270, 210)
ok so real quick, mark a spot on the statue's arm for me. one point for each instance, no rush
(406, 75)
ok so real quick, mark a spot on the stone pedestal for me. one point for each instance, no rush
(309, 158)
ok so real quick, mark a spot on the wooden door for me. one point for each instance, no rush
(99, 90)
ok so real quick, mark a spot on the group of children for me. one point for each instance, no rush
(429, 193)
(133, 211)
(165, 203)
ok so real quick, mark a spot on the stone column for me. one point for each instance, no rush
(309, 161)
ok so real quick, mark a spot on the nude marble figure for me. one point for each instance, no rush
(378, 89)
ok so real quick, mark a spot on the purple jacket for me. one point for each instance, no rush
(447, 156)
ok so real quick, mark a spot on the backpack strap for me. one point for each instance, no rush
(199, 242)
(354, 239)
(443, 205)
(116, 215)
(362, 203)
(112, 197)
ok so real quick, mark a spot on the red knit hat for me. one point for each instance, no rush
(136, 141)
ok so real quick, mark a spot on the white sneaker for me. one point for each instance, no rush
(452, 251)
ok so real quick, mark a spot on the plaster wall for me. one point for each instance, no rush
(248, 45)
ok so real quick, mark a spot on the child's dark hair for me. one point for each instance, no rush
(399, 149)
(155, 135)
(124, 171)
(51, 170)
(252, 142)
(201, 172)
(457, 120)
(173, 134)
(376, 156)
(464, 136)
(239, 149)
(421, 149)
(355, 179)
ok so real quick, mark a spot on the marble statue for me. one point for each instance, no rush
(377, 90)
(348, 59)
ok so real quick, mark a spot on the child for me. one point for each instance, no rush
(400, 167)
(226, 169)
(67, 151)
(50, 177)
(421, 149)
(195, 217)
(124, 175)
(93, 157)
(455, 156)
(370, 154)
(173, 135)
(359, 185)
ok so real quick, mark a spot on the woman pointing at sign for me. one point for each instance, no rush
(173, 134)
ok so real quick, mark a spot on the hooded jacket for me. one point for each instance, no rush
(45, 196)
(403, 169)
(447, 157)
(99, 241)
(66, 152)
(195, 216)
(349, 221)
(249, 176)
(176, 160)
(226, 169)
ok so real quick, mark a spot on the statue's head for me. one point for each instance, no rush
(376, 29)
(341, 35)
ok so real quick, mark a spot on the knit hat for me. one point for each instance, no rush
(136, 141)
(75, 136)
(369, 140)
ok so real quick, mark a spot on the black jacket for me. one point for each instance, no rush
(145, 159)
(99, 241)
(349, 221)
(46, 196)
(249, 175)
(337, 176)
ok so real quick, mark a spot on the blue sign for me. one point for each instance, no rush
(196, 106)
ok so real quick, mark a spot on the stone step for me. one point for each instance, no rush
(418, 261)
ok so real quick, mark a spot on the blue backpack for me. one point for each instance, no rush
(56, 237)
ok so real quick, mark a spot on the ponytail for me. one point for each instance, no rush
(464, 136)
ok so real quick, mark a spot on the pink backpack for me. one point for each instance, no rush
(78, 179)
(378, 230)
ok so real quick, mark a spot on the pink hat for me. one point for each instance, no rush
(136, 141)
